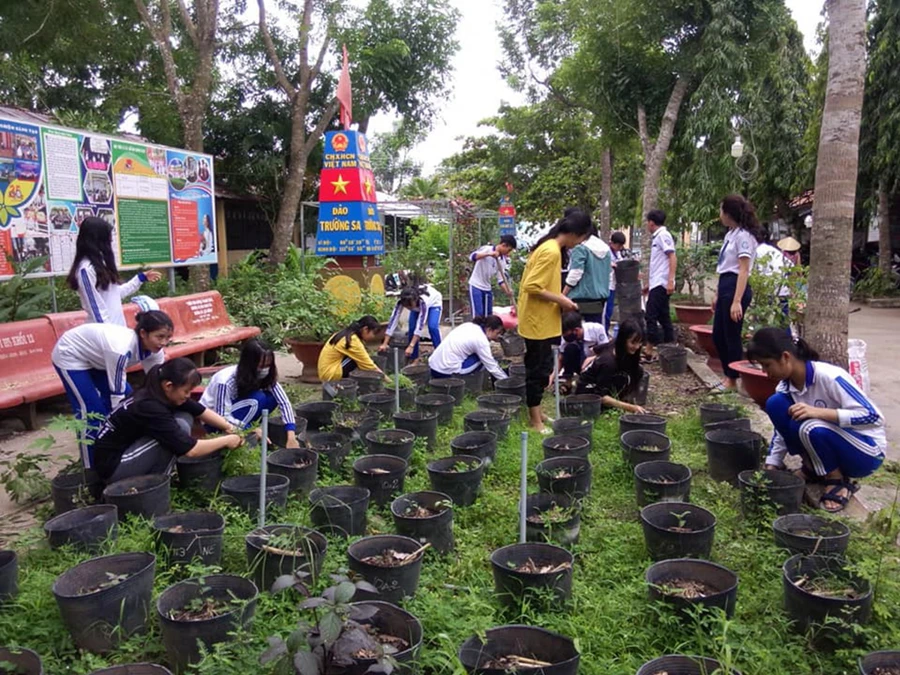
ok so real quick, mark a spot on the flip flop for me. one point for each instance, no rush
(832, 495)
(718, 388)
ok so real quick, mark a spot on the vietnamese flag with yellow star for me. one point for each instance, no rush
(347, 185)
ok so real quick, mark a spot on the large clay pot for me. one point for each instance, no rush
(308, 354)
(693, 314)
(758, 385)
(704, 337)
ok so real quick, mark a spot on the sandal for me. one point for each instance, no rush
(831, 495)
(718, 388)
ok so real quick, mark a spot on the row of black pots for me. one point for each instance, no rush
(27, 662)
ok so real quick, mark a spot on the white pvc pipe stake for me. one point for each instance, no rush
(556, 377)
(396, 379)
(523, 487)
(263, 448)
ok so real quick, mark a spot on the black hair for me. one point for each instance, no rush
(625, 362)
(355, 328)
(409, 297)
(94, 242)
(252, 354)
(575, 221)
(763, 236)
(571, 321)
(181, 371)
(509, 240)
(771, 343)
(657, 216)
(151, 320)
(490, 322)
(618, 238)
(741, 211)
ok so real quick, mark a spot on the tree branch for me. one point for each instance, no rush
(280, 75)
(305, 27)
(324, 121)
(644, 134)
(670, 117)
(43, 23)
(161, 35)
(320, 59)
(188, 23)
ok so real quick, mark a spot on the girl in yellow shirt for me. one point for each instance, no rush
(345, 351)
(541, 304)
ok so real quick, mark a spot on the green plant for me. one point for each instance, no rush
(767, 309)
(696, 264)
(24, 478)
(874, 283)
(425, 257)
(23, 298)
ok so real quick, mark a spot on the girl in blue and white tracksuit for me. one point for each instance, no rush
(819, 414)
(240, 393)
(92, 360)
(94, 275)
(424, 304)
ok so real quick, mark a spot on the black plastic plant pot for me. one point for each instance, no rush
(821, 595)
(717, 412)
(382, 402)
(276, 550)
(381, 475)
(662, 482)
(487, 420)
(133, 669)
(396, 622)
(517, 370)
(627, 271)
(677, 664)
(9, 575)
(442, 404)
(422, 424)
(200, 473)
(512, 386)
(575, 426)
(103, 601)
(339, 510)
(331, 446)
(318, 414)
(368, 381)
(299, 465)
(396, 442)
(585, 406)
(145, 496)
(512, 344)
(508, 404)
(342, 391)
(873, 663)
(802, 533)
(566, 446)
(677, 530)
(419, 373)
(477, 444)
(25, 661)
(426, 517)
(491, 656)
(688, 584)
(673, 359)
(474, 381)
(541, 573)
(730, 451)
(452, 386)
(458, 476)
(642, 422)
(765, 490)
(570, 476)
(356, 424)
(73, 490)
(408, 397)
(203, 611)
(645, 446)
(244, 491)
(190, 536)
(85, 529)
(381, 560)
(552, 518)
(278, 433)
(739, 423)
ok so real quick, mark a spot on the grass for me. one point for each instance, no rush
(615, 626)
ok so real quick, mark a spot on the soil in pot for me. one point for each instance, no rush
(569, 476)
(676, 664)
(84, 529)
(717, 412)
(74, 490)
(730, 451)
(641, 422)
(662, 482)
(585, 406)
(645, 446)
(566, 446)
(331, 446)
(191, 535)
(516, 648)
(367, 381)
(552, 518)
(481, 444)
(677, 530)
(880, 663)
(318, 414)
(356, 424)
(442, 404)
(512, 386)
(381, 475)
(765, 491)
(243, 491)
(106, 600)
(422, 424)
(575, 426)
(278, 433)
(389, 562)
(508, 404)
(276, 550)
(9, 575)
(200, 473)
(687, 584)
(802, 533)
(458, 476)
(382, 402)
(426, 517)
(339, 510)
(391, 627)
(341, 391)
(487, 420)
(23, 661)
(451, 386)
(396, 442)
(144, 496)
(540, 573)
(739, 423)
(419, 373)
(299, 465)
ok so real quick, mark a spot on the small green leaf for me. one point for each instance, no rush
(330, 627)
(306, 663)
(344, 592)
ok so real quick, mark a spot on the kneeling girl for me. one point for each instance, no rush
(468, 348)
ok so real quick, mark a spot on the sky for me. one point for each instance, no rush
(478, 89)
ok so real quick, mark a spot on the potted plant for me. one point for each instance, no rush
(696, 265)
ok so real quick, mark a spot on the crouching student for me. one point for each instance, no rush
(467, 349)
(820, 415)
(580, 338)
(240, 393)
(425, 305)
(345, 351)
(615, 373)
(150, 429)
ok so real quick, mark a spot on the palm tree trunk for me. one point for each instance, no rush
(606, 195)
(827, 319)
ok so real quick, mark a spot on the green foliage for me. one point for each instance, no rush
(426, 255)
(423, 188)
(874, 283)
(391, 163)
(24, 478)
(696, 265)
(766, 309)
(23, 298)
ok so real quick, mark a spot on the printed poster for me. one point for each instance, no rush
(191, 207)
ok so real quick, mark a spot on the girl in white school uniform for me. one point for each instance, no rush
(425, 304)
(733, 295)
(94, 275)
(92, 360)
(240, 393)
(468, 348)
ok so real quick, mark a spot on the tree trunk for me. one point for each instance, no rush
(290, 205)
(827, 319)
(885, 257)
(606, 195)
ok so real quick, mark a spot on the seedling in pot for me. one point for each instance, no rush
(661, 480)
(689, 589)
(461, 467)
(284, 543)
(555, 514)
(111, 580)
(204, 608)
(415, 510)
(682, 526)
(565, 472)
(828, 586)
(513, 663)
(531, 567)
(393, 558)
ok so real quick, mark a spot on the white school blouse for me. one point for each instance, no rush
(104, 306)
(460, 344)
(221, 394)
(426, 302)
(487, 268)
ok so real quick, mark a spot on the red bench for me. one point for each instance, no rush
(27, 374)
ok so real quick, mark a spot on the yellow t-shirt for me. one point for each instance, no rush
(332, 355)
(540, 319)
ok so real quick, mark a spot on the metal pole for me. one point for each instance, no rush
(302, 239)
(556, 377)
(263, 447)
(523, 487)
(172, 281)
(53, 292)
(451, 272)
(396, 379)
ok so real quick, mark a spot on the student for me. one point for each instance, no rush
(92, 360)
(587, 282)
(94, 275)
(663, 263)
(150, 429)
(733, 294)
(617, 247)
(240, 393)
(580, 338)
(345, 351)
(468, 348)
(541, 304)
(424, 304)
(773, 263)
(616, 371)
(490, 261)
(820, 415)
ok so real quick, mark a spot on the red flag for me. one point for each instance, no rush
(509, 188)
(344, 94)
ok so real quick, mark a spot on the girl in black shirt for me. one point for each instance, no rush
(150, 429)
(615, 372)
